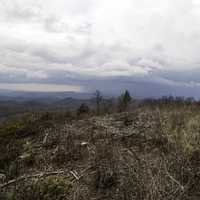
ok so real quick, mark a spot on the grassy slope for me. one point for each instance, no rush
(145, 154)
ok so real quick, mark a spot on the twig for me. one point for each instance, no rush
(172, 178)
(75, 174)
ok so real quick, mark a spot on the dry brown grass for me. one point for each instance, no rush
(143, 155)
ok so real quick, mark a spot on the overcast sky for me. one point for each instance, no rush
(151, 47)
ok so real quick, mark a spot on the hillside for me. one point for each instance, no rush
(143, 154)
(14, 107)
(18, 102)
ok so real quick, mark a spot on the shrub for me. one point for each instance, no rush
(83, 110)
(52, 188)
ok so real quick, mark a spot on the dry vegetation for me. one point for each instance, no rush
(146, 154)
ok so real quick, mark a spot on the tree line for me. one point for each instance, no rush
(103, 105)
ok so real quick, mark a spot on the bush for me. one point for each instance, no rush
(52, 188)
(83, 110)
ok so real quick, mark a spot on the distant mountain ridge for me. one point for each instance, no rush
(24, 96)
(12, 102)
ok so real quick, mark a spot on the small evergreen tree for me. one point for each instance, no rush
(99, 98)
(124, 101)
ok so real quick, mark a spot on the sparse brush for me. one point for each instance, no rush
(147, 154)
(52, 188)
(106, 165)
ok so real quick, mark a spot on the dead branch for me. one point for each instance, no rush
(44, 174)
(40, 175)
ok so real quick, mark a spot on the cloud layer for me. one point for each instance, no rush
(91, 43)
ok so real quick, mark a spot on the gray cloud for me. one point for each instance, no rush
(96, 42)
